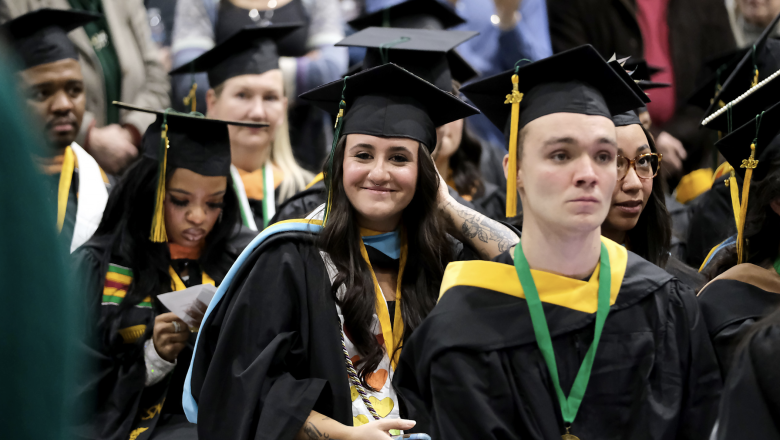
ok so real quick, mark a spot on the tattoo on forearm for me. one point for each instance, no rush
(312, 433)
(485, 229)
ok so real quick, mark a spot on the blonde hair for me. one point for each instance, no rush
(295, 177)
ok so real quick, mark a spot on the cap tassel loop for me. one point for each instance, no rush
(749, 164)
(191, 99)
(329, 170)
(158, 233)
(514, 99)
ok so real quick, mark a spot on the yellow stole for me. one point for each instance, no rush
(177, 284)
(553, 289)
(391, 334)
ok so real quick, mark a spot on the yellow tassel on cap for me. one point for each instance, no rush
(158, 234)
(749, 164)
(513, 98)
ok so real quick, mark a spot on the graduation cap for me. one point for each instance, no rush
(761, 61)
(751, 150)
(715, 70)
(184, 140)
(418, 14)
(250, 51)
(618, 67)
(575, 81)
(389, 102)
(626, 118)
(429, 54)
(41, 36)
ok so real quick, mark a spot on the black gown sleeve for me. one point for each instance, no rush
(751, 398)
(252, 372)
(703, 382)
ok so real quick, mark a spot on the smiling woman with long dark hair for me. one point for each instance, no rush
(172, 223)
(305, 337)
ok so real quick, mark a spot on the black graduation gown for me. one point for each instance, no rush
(304, 202)
(711, 222)
(124, 405)
(270, 352)
(473, 369)
(750, 407)
(733, 302)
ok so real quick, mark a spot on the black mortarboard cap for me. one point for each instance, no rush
(575, 81)
(389, 101)
(426, 53)
(196, 143)
(250, 51)
(735, 146)
(626, 118)
(419, 14)
(617, 66)
(766, 59)
(641, 73)
(715, 72)
(41, 36)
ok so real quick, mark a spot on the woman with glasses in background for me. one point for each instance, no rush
(638, 218)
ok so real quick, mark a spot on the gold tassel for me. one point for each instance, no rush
(513, 98)
(749, 164)
(755, 79)
(158, 233)
(190, 99)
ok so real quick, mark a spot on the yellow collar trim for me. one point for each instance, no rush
(553, 289)
(66, 176)
(177, 284)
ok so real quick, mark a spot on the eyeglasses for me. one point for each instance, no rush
(645, 165)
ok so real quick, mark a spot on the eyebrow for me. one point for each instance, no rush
(570, 140)
(187, 193)
(391, 149)
(69, 82)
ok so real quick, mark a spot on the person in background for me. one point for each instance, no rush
(750, 17)
(41, 325)
(741, 294)
(638, 218)
(713, 215)
(308, 56)
(171, 223)
(675, 36)
(54, 86)
(119, 62)
(161, 13)
(248, 85)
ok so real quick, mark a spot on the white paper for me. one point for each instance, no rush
(189, 304)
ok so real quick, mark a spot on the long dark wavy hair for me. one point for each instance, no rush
(651, 238)
(429, 252)
(127, 221)
(762, 226)
(465, 166)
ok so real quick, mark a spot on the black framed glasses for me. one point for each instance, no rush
(645, 165)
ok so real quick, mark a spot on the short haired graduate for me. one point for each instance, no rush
(566, 335)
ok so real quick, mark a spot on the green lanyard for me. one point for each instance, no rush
(570, 405)
(777, 264)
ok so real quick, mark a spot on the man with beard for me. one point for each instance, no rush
(54, 88)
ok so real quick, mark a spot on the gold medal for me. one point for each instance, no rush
(568, 436)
